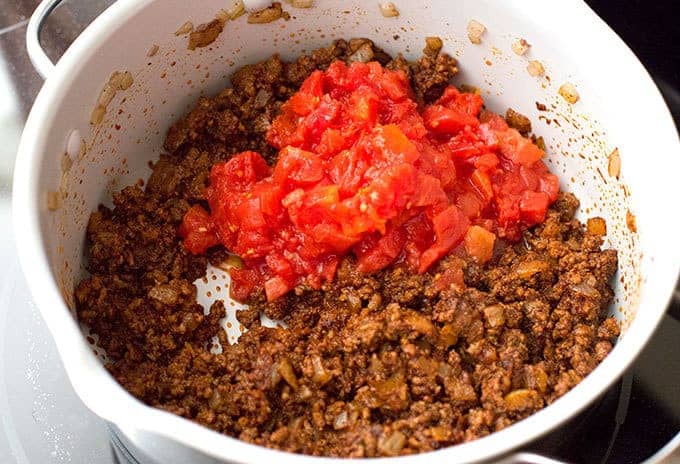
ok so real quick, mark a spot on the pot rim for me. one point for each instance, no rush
(103, 395)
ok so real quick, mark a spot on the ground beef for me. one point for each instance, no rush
(518, 121)
(384, 364)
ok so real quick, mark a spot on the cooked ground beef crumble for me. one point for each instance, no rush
(384, 364)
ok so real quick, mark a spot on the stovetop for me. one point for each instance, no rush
(43, 421)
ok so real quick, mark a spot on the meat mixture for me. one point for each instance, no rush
(384, 364)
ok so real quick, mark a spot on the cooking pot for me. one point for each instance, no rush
(66, 166)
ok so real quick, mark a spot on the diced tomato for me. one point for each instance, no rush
(313, 125)
(364, 106)
(270, 195)
(533, 206)
(493, 121)
(508, 215)
(313, 85)
(327, 268)
(276, 287)
(466, 144)
(390, 143)
(357, 74)
(332, 141)
(442, 120)
(419, 237)
(241, 171)
(363, 169)
(518, 149)
(486, 162)
(428, 192)
(405, 115)
(449, 228)
(550, 185)
(336, 74)
(250, 212)
(479, 243)
(393, 84)
(198, 230)
(482, 183)
(437, 163)
(279, 265)
(298, 167)
(452, 276)
(377, 252)
(529, 177)
(309, 96)
(466, 103)
(243, 283)
(284, 131)
(470, 204)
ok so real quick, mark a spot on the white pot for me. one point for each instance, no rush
(619, 107)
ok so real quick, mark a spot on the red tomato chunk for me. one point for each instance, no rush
(363, 170)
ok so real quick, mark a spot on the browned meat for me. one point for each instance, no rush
(371, 365)
(518, 121)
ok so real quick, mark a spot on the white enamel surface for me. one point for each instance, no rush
(574, 45)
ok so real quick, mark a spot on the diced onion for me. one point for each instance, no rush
(266, 15)
(535, 68)
(185, 28)
(364, 54)
(53, 200)
(388, 9)
(321, 375)
(107, 94)
(302, 3)
(205, 34)
(66, 162)
(614, 165)
(286, 371)
(495, 315)
(222, 16)
(97, 115)
(121, 80)
(393, 444)
(520, 46)
(341, 421)
(596, 226)
(520, 399)
(152, 51)
(526, 269)
(475, 30)
(236, 10)
(585, 290)
(569, 93)
(433, 45)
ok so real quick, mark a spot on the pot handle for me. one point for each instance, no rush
(41, 62)
(527, 457)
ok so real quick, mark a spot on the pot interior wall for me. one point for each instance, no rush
(579, 137)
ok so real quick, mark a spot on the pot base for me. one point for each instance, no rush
(561, 443)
